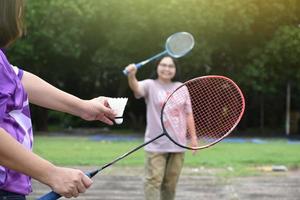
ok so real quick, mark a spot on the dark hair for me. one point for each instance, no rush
(11, 21)
(177, 77)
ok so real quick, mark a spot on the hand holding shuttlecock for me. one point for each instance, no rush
(118, 105)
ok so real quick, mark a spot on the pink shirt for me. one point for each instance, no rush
(155, 94)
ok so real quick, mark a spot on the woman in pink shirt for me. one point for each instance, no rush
(164, 159)
(17, 88)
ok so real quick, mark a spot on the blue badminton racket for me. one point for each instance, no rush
(177, 45)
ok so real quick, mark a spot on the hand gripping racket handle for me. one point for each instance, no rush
(53, 195)
(140, 64)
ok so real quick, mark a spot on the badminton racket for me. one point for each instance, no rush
(176, 46)
(217, 106)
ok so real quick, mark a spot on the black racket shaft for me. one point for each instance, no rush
(53, 195)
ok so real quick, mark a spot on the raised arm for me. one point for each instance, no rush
(43, 94)
(132, 80)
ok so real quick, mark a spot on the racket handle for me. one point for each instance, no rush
(138, 65)
(50, 196)
(53, 195)
(125, 72)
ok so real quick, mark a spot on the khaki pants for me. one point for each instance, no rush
(162, 174)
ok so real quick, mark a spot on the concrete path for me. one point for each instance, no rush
(117, 183)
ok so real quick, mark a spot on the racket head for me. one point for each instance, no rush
(216, 105)
(179, 44)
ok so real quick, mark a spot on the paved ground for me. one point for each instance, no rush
(117, 183)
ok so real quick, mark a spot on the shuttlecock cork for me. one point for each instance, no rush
(118, 105)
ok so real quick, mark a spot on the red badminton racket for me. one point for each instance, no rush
(217, 106)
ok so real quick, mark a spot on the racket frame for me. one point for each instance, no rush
(167, 51)
(219, 139)
(53, 195)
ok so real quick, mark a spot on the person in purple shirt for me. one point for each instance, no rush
(18, 88)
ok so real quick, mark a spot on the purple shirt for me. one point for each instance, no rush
(14, 119)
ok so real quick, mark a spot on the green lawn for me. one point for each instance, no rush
(67, 151)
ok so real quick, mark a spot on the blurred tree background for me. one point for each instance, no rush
(82, 46)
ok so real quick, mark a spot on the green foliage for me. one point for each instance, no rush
(278, 61)
(239, 156)
(81, 46)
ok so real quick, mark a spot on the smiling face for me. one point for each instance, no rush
(166, 69)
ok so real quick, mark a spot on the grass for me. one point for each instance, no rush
(242, 157)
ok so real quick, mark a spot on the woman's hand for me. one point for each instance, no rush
(131, 70)
(98, 109)
(194, 143)
(68, 182)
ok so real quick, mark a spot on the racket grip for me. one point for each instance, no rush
(138, 65)
(125, 72)
(50, 196)
(53, 195)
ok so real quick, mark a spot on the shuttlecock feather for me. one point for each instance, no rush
(118, 105)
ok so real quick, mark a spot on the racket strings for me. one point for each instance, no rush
(180, 44)
(216, 103)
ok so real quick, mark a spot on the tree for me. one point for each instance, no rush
(82, 46)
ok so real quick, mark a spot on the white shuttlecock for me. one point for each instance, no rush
(118, 105)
